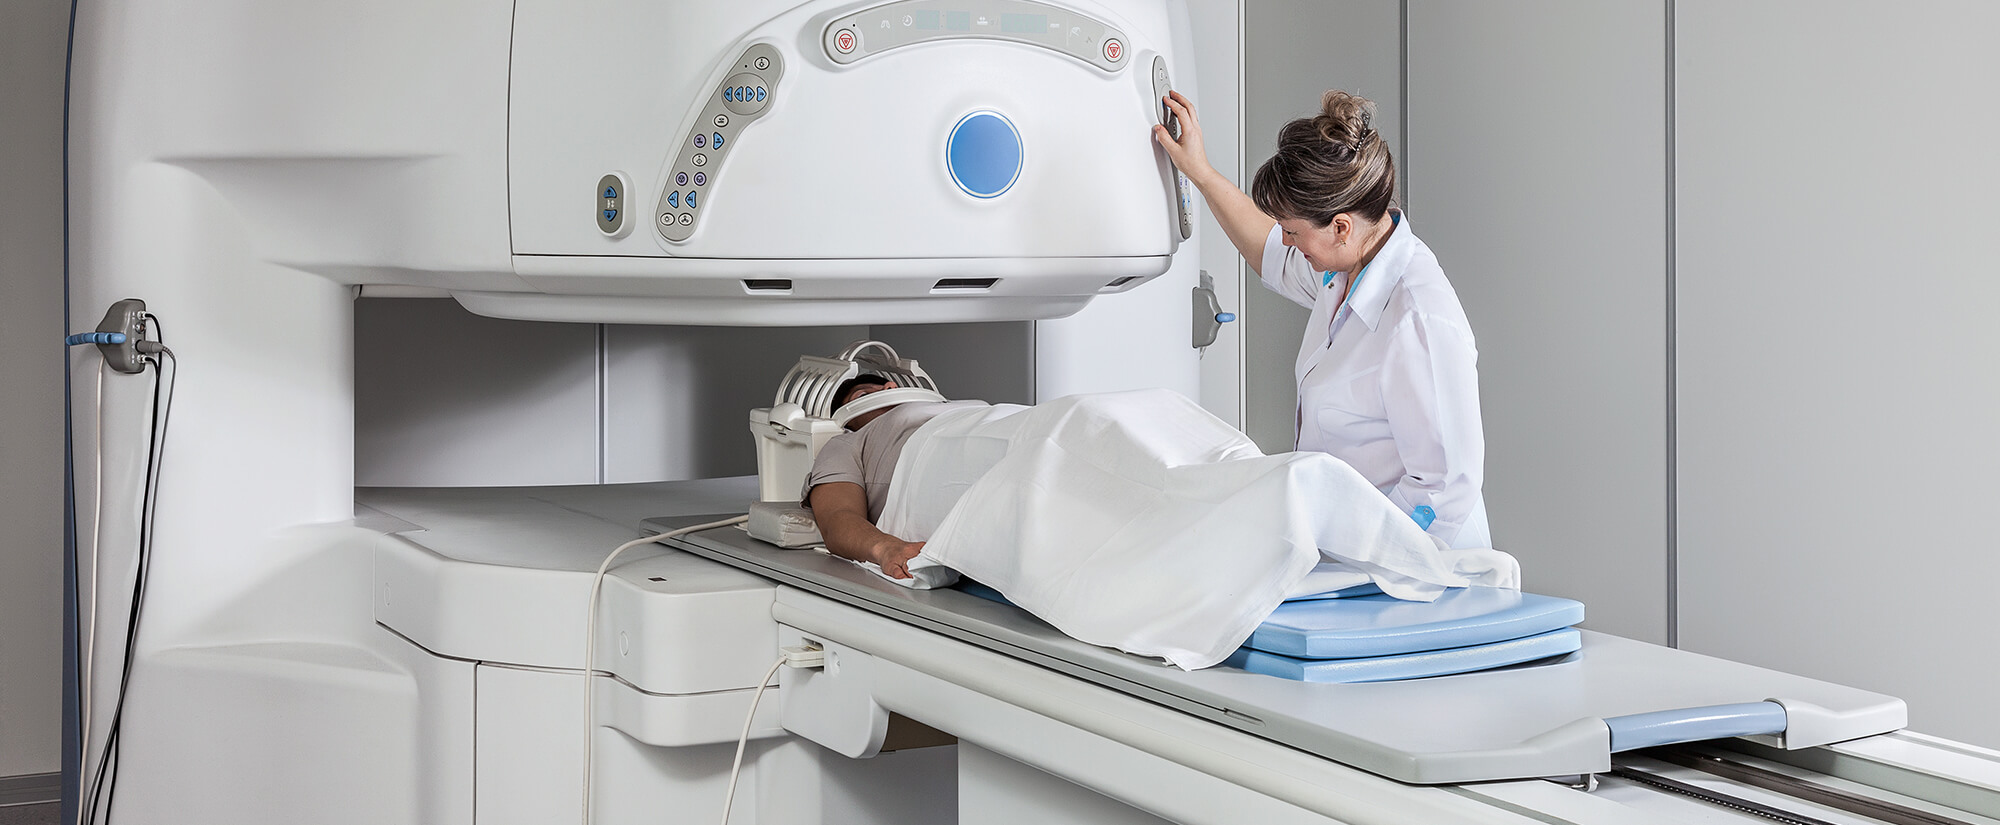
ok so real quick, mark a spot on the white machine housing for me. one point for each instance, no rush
(249, 169)
(836, 180)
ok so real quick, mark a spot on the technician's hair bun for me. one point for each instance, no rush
(1346, 121)
(1331, 163)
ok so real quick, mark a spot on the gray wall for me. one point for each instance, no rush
(1838, 393)
(33, 38)
(1295, 50)
(445, 398)
(1542, 188)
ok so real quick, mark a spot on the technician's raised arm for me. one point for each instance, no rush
(1246, 225)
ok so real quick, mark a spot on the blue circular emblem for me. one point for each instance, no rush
(984, 154)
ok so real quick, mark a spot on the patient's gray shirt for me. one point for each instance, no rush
(868, 456)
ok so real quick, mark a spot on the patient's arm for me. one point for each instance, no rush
(841, 508)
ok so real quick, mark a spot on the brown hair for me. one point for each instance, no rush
(1327, 165)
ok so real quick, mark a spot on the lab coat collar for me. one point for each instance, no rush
(1379, 280)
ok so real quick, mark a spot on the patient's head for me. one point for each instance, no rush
(856, 387)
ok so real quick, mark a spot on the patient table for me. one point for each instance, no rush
(1051, 729)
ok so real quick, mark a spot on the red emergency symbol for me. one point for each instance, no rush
(1113, 50)
(844, 41)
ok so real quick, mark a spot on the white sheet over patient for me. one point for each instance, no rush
(1139, 521)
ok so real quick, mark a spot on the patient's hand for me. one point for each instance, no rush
(841, 508)
(894, 556)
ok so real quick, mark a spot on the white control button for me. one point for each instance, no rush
(763, 63)
(687, 220)
(1114, 50)
(721, 121)
(700, 159)
(844, 41)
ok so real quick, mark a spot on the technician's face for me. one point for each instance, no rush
(1321, 244)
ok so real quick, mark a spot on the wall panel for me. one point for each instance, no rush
(1837, 387)
(1293, 51)
(33, 34)
(1537, 169)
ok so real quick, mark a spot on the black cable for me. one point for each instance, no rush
(104, 785)
(75, 743)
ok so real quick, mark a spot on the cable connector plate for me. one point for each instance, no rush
(804, 657)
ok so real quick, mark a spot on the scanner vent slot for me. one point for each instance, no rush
(767, 284)
(965, 284)
(1121, 282)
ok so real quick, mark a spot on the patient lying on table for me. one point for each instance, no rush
(1132, 520)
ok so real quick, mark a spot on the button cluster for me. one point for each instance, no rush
(741, 97)
(610, 204)
(745, 93)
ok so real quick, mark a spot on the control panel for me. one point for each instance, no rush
(611, 204)
(1183, 198)
(910, 22)
(746, 93)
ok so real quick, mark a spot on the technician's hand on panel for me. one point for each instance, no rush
(1387, 376)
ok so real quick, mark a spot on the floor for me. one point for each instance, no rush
(43, 814)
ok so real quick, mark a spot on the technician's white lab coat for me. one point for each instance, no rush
(1389, 382)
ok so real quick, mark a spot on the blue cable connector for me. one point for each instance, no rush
(95, 338)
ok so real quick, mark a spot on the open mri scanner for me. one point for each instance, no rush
(310, 651)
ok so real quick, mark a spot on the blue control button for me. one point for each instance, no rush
(1224, 317)
(725, 94)
(690, 198)
(674, 199)
(611, 191)
(983, 154)
(611, 214)
(715, 140)
(760, 94)
(700, 141)
(700, 179)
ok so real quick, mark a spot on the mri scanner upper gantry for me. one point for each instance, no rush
(329, 638)
(313, 652)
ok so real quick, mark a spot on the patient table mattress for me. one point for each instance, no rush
(1413, 665)
(1377, 625)
(1552, 718)
(1375, 638)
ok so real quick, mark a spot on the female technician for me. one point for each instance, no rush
(1386, 374)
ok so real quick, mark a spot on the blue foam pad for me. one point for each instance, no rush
(1409, 665)
(1368, 589)
(1370, 626)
